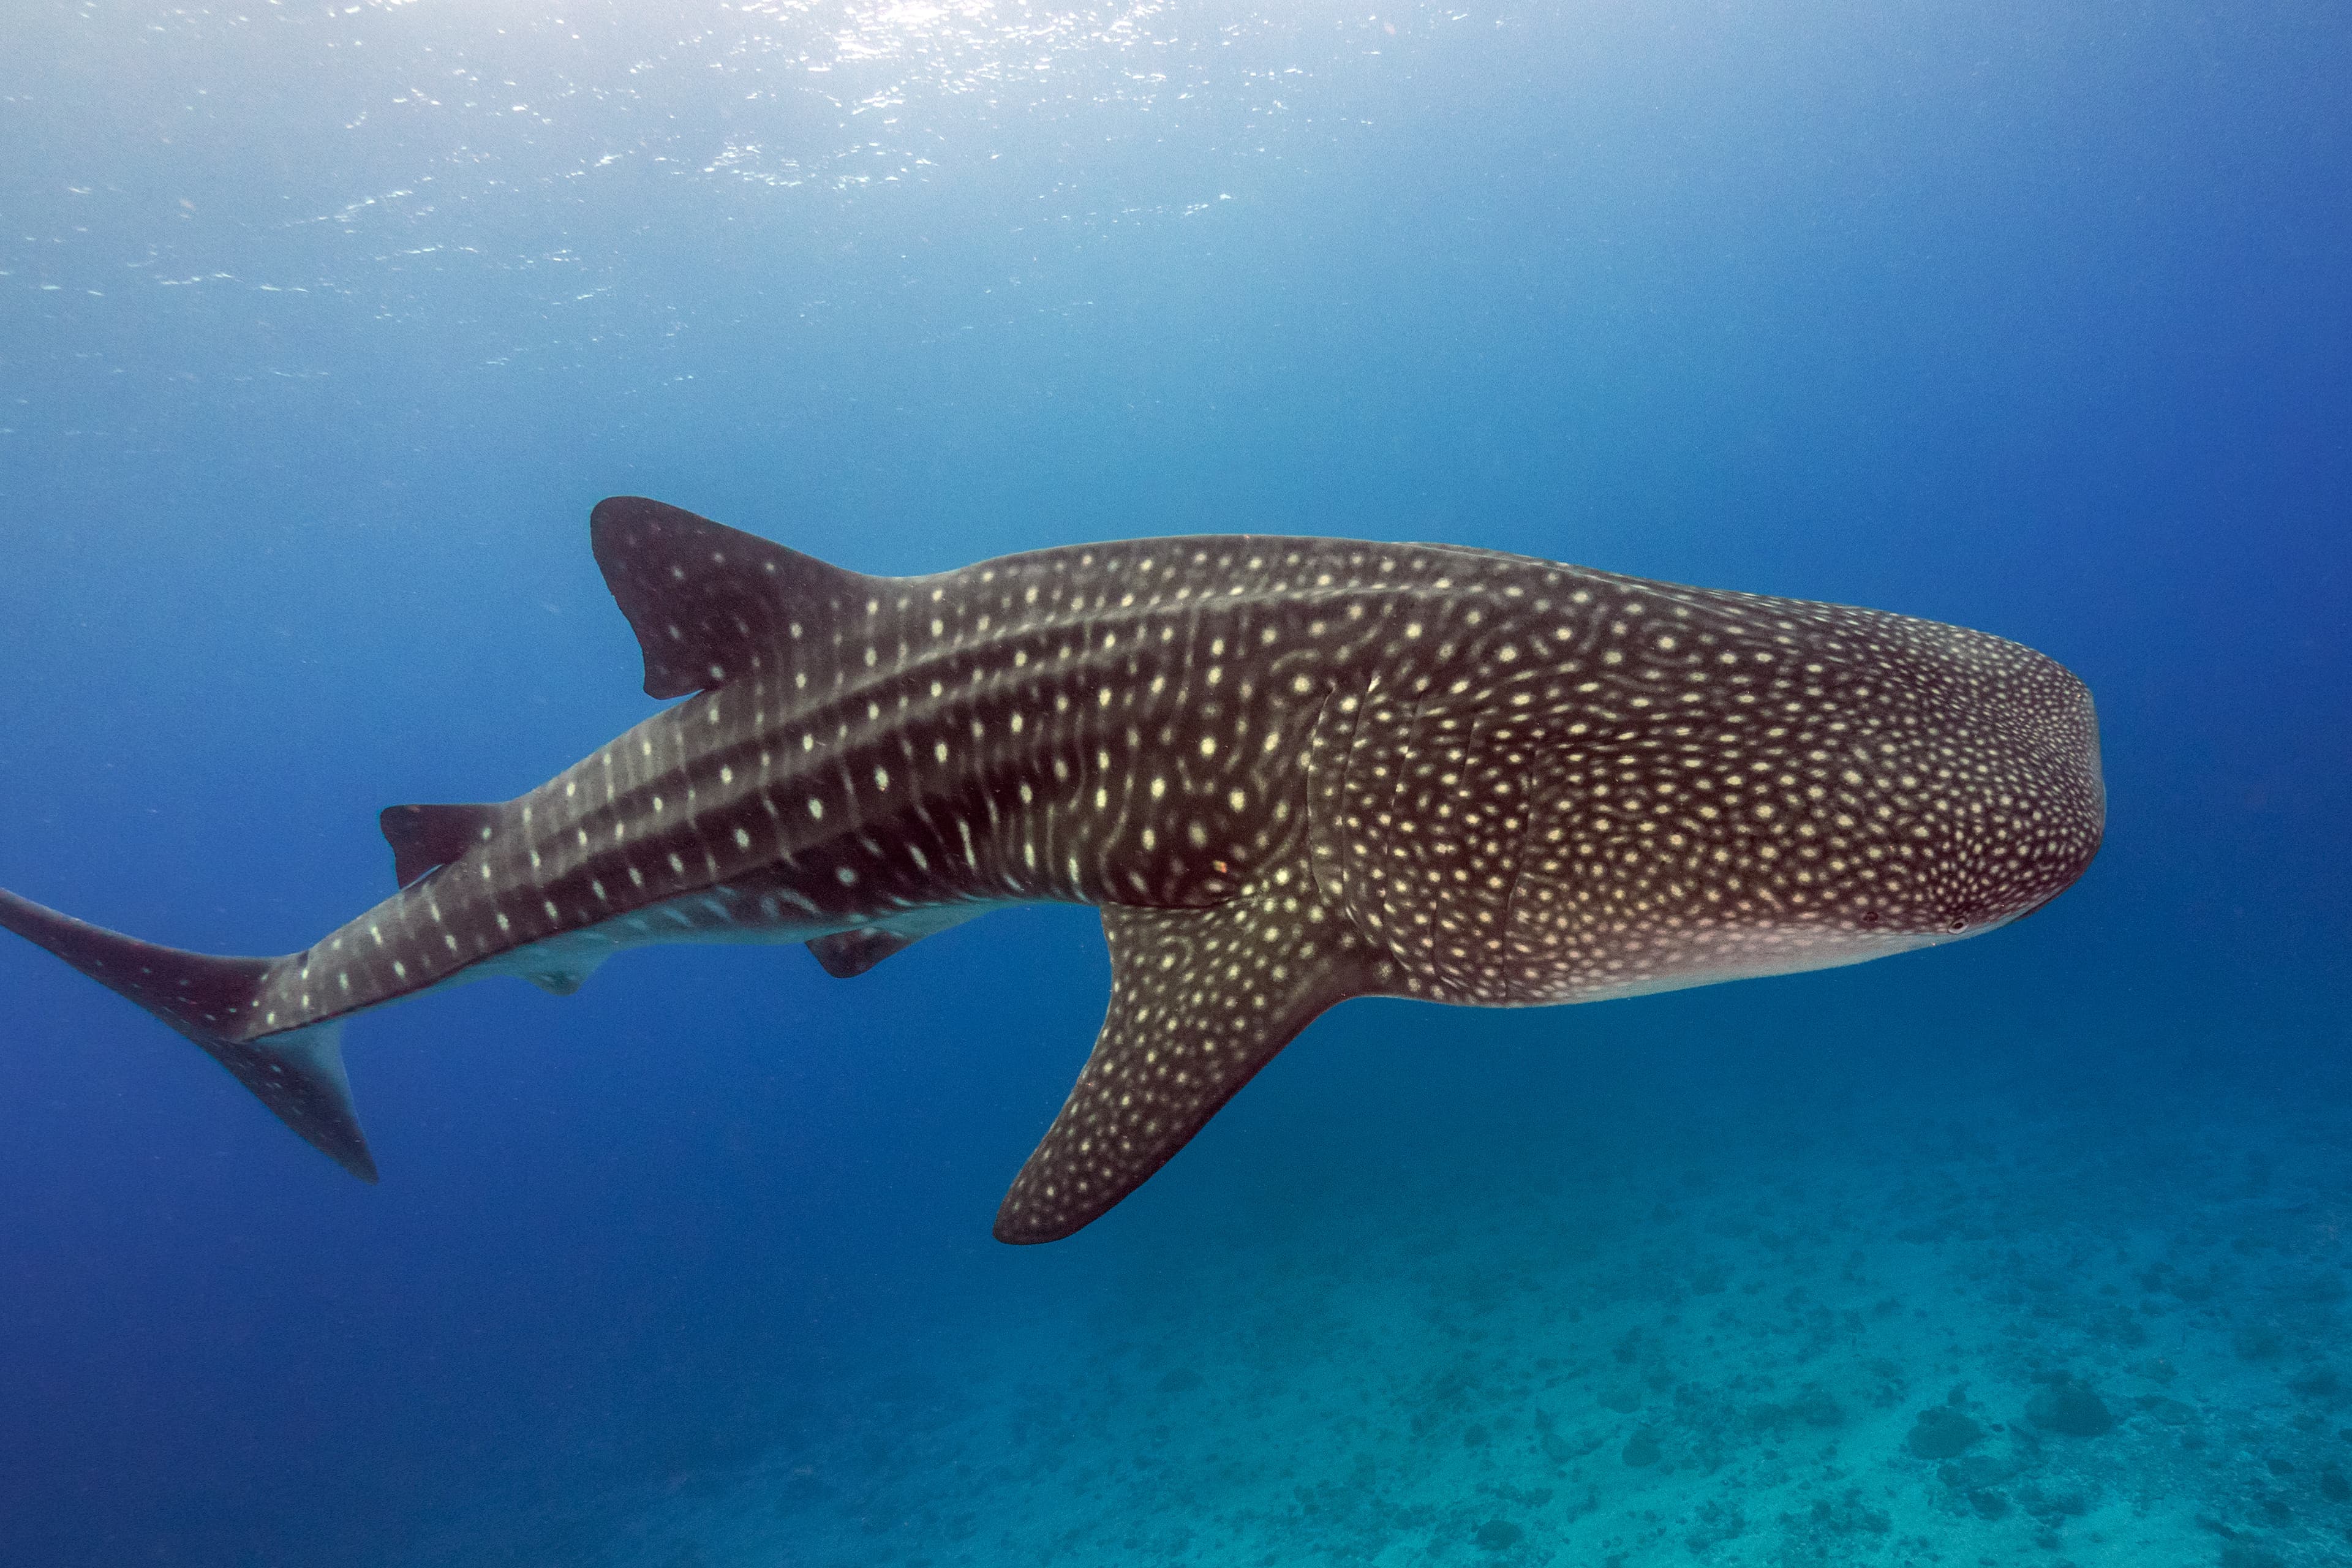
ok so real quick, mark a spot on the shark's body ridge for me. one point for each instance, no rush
(1289, 771)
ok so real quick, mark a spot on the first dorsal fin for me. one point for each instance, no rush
(1200, 1000)
(710, 603)
(424, 838)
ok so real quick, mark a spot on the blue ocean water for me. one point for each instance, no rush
(325, 325)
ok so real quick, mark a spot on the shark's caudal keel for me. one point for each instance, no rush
(1289, 771)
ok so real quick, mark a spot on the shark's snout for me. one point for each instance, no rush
(2054, 728)
(2014, 805)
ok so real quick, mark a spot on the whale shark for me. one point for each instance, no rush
(1288, 771)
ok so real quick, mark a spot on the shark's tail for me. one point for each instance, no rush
(298, 1073)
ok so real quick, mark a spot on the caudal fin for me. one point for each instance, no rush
(298, 1073)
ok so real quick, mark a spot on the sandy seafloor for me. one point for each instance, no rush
(2111, 1315)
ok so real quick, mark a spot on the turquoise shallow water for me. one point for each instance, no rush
(325, 327)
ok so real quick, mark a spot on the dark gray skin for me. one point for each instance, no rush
(1288, 770)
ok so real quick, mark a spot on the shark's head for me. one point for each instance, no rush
(1761, 787)
(2014, 804)
(1980, 787)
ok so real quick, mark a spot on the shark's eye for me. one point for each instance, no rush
(1870, 917)
(1956, 924)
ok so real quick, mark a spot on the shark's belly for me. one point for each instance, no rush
(726, 913)
(1714, 956)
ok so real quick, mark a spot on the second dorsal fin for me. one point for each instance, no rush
(424, 838)
(708, 602)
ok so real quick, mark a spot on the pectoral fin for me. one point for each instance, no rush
(1200, 1000)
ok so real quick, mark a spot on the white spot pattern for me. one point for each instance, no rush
(1290, 770)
